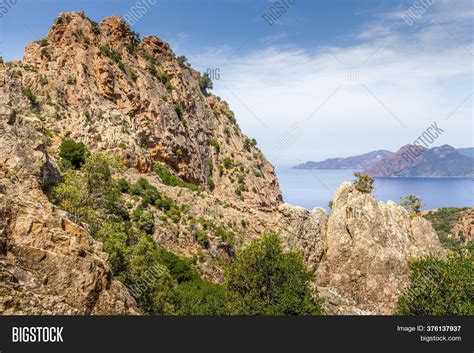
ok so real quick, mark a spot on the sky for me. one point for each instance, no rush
(324, 79)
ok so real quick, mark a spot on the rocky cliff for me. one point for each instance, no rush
(104, 86)
(361, 252)
(132, 98)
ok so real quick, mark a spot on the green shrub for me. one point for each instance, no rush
(153, 70)
(180, 269)
(145, 220)
(178, 108)
(117, 58)
(73, 153)
(202, 238)
(439, 287)
(228, 162)
(201, 298)
(412, 203)
(84, 192)
(363, 183)
(71, 80)
(160, 75)
(28, 93)
(149, 194)
(215, 144)
(182, 60)
(444, 219)
(269, 281)
(95, 27)
(168, 178)
(211, 184)
(116, 242)
(248, 143)
(226, 236)
(165, 175)
(205, 82)
(230, 114)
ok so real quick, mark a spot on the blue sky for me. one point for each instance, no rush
(198, 24)
(330, 78)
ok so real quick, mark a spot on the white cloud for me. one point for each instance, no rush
(415, 78)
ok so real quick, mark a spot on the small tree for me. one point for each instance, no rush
(205, 82)
(363, 183)
(182, 60)
(268, 281)
(412, 203)
(73, 154)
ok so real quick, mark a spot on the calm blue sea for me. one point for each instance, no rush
(314, 188)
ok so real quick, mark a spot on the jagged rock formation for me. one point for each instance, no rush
(132, 98)
(100, 84)
(360, 252)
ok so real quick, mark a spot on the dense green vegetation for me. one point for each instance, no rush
(363, 183)
(439, 287)
(268, 281)
(73, 154)
(262, 280)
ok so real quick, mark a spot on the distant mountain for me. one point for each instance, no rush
(412, 161)
(363, 161)
(409, 161)
(469, 151)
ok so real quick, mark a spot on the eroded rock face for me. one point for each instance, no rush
(304, 231)
(48, 264)
(360, 252)
(463, 230)
(103, 86)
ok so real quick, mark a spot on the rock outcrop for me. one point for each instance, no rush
(362, 251)
(463, 230)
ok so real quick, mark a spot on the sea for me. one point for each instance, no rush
(315, 188)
